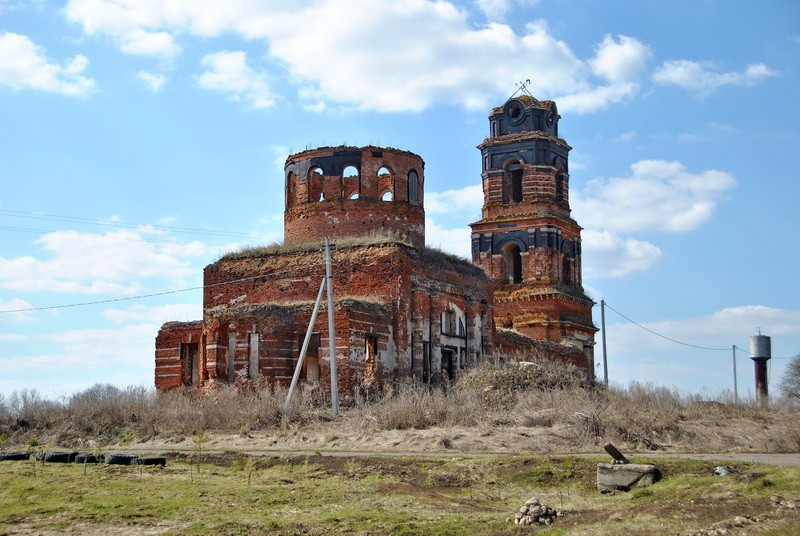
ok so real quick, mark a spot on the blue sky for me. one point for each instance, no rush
(142, 139)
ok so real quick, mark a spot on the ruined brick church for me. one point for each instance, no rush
(402, 312)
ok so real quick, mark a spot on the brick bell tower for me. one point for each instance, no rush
(526, 241)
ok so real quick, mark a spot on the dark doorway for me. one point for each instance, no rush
(191, 366)
(513, 258)
(449, 363)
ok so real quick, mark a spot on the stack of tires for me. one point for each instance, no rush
(84, 458)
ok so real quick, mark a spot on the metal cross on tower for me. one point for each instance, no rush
(522, 88)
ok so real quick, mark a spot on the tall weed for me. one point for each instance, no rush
(543, 398)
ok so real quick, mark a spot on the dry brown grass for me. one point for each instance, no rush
(542, 406)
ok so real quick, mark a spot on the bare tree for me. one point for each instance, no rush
(790, 381)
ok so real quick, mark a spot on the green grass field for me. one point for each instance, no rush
(236, 494)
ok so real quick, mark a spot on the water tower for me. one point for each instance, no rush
(760, 353)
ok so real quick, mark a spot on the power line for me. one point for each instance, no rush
(97, 302)
(137, 238)
(117, 224)
(154, 294)
(664, 336)
(685, 343)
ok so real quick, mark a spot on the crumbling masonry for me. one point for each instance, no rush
(402, 311)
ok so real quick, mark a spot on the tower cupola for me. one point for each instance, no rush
(526, 241)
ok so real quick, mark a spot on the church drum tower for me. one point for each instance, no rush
(526, 241)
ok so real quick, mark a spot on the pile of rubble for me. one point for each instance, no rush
(535, 513)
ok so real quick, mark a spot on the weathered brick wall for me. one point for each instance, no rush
(340, 218)
(540, 265)
(258, 304)
(539, 193)
(548, 314)
(171, 366)
(321, 200)
(518, 346)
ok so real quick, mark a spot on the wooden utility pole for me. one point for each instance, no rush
(603, 325)
(735, 381)
(331, 330)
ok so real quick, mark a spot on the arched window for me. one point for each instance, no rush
(413, 186)
(290, 190)
(350, 172)
(449, 322)
(515, 171)
(387, 196)
(316, 183)
(385, 183)
(512, 182)
(513, 261)
(351, 183)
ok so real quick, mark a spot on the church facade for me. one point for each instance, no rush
(402, 312)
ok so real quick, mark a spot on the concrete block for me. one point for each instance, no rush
(625, 477)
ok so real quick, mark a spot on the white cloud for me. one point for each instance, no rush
(627, 136)
(154, 82)
(620, 61)
(386, 56)
(719, 329)
(11, 337)
(311, 100)
(175, 312)
(698, 76)
(459, 206)
(142, 43)
(607, 254)
(115, 262)
(596, 98)
(14, 304)
(23, 65)
(497, 9)
(494, 9)
(99, 349)
(228, 72)
(456, 241)
(466, 202)
(134, 25)
(658, 195)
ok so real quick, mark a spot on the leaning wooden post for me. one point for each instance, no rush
(304, 349)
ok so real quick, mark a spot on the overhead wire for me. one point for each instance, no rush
(151, 295)
(664, 336)
(110, 237)
(131, 225)
(117, 224)
(681, 342)
(122, 225)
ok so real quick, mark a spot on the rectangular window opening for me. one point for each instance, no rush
(370, 358)
(310, 370)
